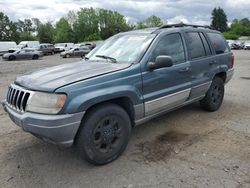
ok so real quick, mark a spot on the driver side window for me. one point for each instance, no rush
(170, 45)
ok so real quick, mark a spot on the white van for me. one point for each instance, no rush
(6, 45)
(26, 44)
(60, 47)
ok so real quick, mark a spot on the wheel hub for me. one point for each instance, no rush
(108, 134)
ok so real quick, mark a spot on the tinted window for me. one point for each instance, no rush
(195, 45)
(218, 43)
(205, 43)
(170, 45)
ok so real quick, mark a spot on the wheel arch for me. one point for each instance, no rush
(222, 75)
(124, 102)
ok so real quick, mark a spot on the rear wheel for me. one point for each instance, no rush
(214, 96)
(35, 56)
(104, 134)
(67, 56)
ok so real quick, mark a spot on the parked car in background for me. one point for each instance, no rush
(6, 45)
(76, 52)
(247, 45)
(26, 44)
(27, 53)
(60, 47)
(91, 45)
(131, 78)
(79, 45)
(47, 48)
(230, 43)
(240, 43)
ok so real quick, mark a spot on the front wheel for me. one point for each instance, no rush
(11, 58)
(104, 134)
(214, 96)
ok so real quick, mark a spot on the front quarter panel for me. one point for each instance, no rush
(84, 94)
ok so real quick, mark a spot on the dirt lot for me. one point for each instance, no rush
(185, 148)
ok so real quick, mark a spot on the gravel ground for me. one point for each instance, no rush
(184, 148)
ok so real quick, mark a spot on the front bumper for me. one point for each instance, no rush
(56, 129)
(230, 74)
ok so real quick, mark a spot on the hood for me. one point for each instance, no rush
(7, 54)
(51, 78)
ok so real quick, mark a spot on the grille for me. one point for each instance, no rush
(17, 98)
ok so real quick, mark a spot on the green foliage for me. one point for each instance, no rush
(90, 24)
(63, 31)
(100, 22)
(152, 21)
(25, 30)
(219, 20)
(45, 32)
(8, 30)
(231, 35)
(241, 27)
(25, 36)
(93, 37)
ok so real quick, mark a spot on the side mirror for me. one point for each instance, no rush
(160, 62)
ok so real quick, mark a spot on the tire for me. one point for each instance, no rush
(11, 58)
(67, 55)
(214, 96)
(35, 57)
(104, 134)
(52, 52)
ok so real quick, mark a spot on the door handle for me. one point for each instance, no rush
(213, 62)
(186, 69)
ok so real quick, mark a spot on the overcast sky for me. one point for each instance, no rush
(173, 11)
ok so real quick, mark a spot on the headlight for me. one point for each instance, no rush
(46, 103)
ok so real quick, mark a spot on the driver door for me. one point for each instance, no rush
(21, 54)
(76, 52)
(167, 87)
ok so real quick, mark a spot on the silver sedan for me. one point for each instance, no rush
(75, 52)
(23, 54)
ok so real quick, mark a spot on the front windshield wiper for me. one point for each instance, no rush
(107, 57)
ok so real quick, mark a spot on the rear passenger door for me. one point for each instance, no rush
(167, 87)
(222, 53)
(201, 60)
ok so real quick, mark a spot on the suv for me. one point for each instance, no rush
(47, 49)
(129, 79)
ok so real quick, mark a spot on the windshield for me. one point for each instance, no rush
(122, 48)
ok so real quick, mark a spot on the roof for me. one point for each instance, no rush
(171, 26)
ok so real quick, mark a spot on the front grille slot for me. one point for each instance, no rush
(17, 98)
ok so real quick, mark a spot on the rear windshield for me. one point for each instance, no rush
(218, 43)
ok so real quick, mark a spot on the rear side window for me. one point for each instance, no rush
(206, 45)
(195, 45)
(170, 45)
(218, 43)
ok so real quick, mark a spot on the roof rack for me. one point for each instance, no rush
(185, 25)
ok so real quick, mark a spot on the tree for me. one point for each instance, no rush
(152, 21)
(219, 19)
(7, 29)
(96, 24)
(111, 23)
(240, 27)
(25, 29)
(45, 32)
(63, 31)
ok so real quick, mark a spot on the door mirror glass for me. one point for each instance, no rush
(160, 62)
